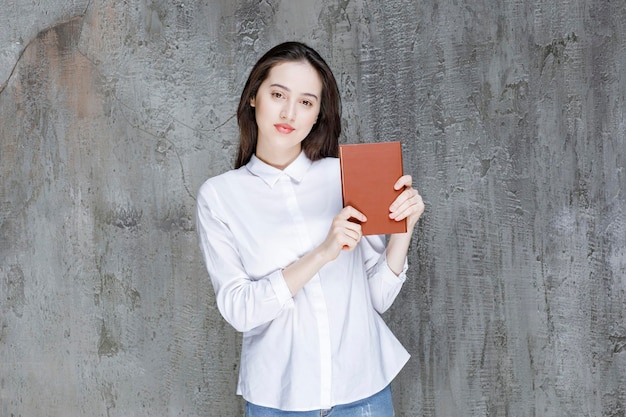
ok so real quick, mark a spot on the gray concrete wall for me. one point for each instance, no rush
(513, 120)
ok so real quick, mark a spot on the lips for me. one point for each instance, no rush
(284, 128)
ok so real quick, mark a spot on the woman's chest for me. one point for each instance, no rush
(273, 228)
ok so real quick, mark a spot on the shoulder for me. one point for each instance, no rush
(325, 174)
(328, 164)
(222, 181)
(325, 170)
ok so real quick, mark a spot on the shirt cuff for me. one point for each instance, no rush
(277, 281)
(388, 274)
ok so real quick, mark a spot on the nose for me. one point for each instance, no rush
(288, 111)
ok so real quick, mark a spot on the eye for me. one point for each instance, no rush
(307, 103)
(277, 94)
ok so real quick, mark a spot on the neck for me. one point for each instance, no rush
(278, 159)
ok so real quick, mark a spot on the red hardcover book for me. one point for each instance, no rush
(368, 173)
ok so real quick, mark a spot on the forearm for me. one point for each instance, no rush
(343, 235)
(410, 206)
(301, 271)
(397, 249)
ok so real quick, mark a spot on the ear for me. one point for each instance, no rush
(253, 102)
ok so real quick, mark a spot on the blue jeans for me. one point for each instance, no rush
(378, 405)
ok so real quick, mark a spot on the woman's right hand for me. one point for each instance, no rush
(345, 232)
(343, 235)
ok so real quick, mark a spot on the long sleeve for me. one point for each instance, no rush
(384, 284)
(244, 302)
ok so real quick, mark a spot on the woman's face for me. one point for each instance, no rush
(286, 108)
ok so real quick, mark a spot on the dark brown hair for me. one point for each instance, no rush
(323, 139)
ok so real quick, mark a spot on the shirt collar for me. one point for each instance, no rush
(270, 174)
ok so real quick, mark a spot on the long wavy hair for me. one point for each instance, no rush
(323, 139)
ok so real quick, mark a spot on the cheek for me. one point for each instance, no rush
(266, 108)
(314, 118)
(260, 112)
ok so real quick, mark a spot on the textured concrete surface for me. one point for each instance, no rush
(513, 120)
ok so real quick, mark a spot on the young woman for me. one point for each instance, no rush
(289, 268)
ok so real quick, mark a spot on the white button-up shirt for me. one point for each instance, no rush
(326, 345)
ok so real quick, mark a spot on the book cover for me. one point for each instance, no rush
(368, 173)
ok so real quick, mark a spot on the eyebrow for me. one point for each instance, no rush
(285, 88)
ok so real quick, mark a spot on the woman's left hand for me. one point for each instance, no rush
(408, 205)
